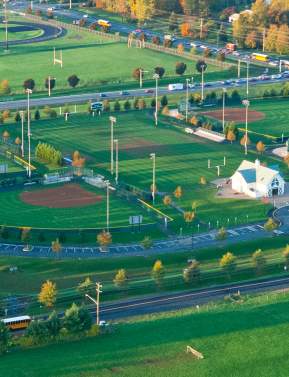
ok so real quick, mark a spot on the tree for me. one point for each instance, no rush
(160, 71)
(127, 105)
(270, 225)
(37, 331)
(52, 82)
(48, 293)
(201, 65)
(4, 87)
(77, 319)
(4, 338)
(29, 84)
(282, 42)
(104, 239)
(260, 146)
(259, 261)
(158, 272)
(167, 200)
(56, 247)
(120, 279)
(116, 106)
(147, 242)
(221, 56)
(245, 139)
(222, 234)
(17, 117)
(178, 192)
(231, 136)
(180, 68)
(37, 114)
(189, 216)
(180, 48)
(203, 180)
(286, 256)
(235, 97)
(185, 29)
(271, 38)
(137, 73)
(5, 136)
(73, 81)
(228, 263)
(164, 101)
(86, 286)
(53, 324)
(191, 274)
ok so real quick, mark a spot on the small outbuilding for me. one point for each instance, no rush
(257, 181)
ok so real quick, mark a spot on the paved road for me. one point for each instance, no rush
(187, 299)
(179, 244)
(49, 32)
(96, 96)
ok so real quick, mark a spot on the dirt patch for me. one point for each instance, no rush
(236, 115)
(67, 196)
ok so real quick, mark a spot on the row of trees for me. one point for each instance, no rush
(46, 152)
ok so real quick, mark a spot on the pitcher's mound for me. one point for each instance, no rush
(236, 115)
(67, 196)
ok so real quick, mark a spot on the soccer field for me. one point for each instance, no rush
(181, 159)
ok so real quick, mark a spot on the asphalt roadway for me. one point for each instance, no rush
(187, 299)
(96, 96)
(49, 32)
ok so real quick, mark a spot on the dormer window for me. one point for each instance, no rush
(275, 182)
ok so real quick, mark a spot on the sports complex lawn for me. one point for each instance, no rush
(92, 59)
(240, 340)
(14, 34)
(275, 122)
(181, 160)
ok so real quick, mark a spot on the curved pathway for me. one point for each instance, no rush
(49, 32)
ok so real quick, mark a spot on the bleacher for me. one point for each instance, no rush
(210, 135)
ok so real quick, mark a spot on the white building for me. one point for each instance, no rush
(257, 181)
(235, 16)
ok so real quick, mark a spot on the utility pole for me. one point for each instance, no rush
(70, 4)
(156, 77)
(22, 133)
(153, 158)
(116, 160)
(264, 39)
(6, 25)
(224, 97)
(98, 288)
(107, 206)
(112, 123)
(201, 28)
(29, 91)
(239, 68)
(246, 103)
(247, 89)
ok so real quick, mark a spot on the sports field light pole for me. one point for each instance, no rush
(246, 103)
(49, 84)
(247, 90)
(116, 160)
(112, 123)
(224, 98)
(187, 97)
(6, 25)
(22, 133)
(153, 158)
(107, 205)
(156, 77)
(29, 91)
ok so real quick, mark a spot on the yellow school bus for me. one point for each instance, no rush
(17, 323)
(260, 57)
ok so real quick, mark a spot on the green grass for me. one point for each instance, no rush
(92, 216)
(181, 160)
(12, 167)
(240, 340)
(88, 57)
(19, 35)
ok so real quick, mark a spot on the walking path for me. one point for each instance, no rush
(197, 241)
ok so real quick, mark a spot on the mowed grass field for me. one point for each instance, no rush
(181, 159)
(275, 122)
(14, 34)
(88, 216)
(240, 340)
(92, 59)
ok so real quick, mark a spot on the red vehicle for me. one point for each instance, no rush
(231, 47)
